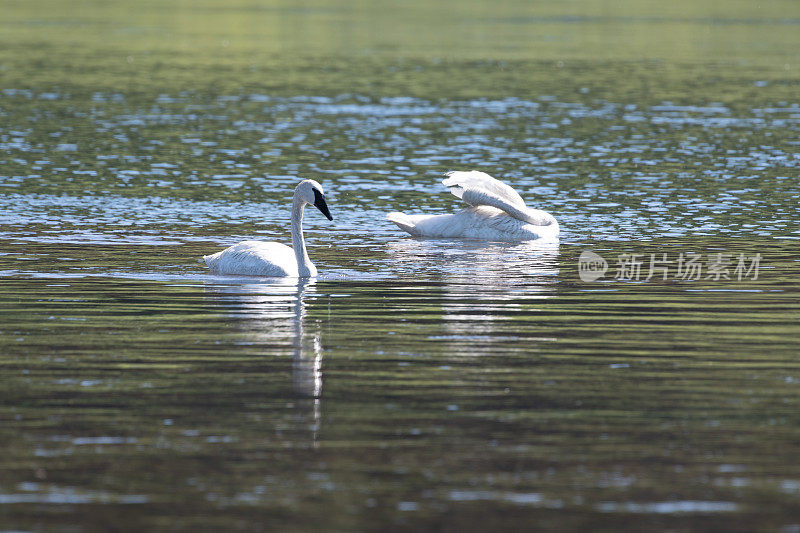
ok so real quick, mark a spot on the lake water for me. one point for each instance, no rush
(416, 384)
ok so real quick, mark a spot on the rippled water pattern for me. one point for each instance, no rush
(496, 389)
(416, 385)
(180, 168)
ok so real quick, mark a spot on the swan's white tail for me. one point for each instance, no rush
(403, 221)
(211, 260)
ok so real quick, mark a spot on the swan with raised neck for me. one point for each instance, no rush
(272, 259)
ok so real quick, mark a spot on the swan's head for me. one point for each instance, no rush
(310, 192)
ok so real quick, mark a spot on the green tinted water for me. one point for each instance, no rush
(415, 384)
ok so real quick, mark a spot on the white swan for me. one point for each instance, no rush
(273, 259)
(496, 213)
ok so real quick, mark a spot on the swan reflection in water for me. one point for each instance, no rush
(486, 287)
(273, 311)
(492, 265)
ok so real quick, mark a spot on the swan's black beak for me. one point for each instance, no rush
(319, 203)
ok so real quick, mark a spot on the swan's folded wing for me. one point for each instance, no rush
(481, 183)
(478, 189)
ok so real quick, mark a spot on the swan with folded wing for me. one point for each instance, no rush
(496, 212)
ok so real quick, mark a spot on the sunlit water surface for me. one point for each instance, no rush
(415, 384)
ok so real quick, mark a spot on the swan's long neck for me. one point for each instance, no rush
(305, 268)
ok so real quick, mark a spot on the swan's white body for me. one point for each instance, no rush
(273, 259)
(256, 258)
(496, 213)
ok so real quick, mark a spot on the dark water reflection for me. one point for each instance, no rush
(479, 385)
(486, 381)
(272, 313)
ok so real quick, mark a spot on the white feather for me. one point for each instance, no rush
(254, 258)
(474, 180)
(497, 213)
